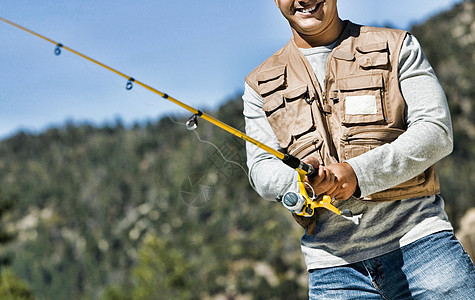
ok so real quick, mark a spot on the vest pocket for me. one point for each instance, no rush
(363, 99)
(290, 114)
(274, 108)
(419, 179)
(360, 140)
(371, 56)
(306, 145)
(271, 80)
(298, 108)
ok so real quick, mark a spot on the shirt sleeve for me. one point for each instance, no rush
(429, 135)
(267, 174)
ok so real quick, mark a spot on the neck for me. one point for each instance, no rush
(327, 36)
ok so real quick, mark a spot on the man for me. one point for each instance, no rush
(364, 107)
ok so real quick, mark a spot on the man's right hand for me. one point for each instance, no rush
(323, 180)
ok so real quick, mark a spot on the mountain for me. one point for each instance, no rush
(156, 211)
(448, 40)
(156, 205)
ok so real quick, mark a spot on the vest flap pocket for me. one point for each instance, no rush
(373, 60)
(343, 55)
(272, 103)
(301, 113)
(419, 179)
(298, 92)
(377, 47)
(299, 109)
(275, 110)
(424, 184)
(370, 81)
(306, 145)
(271, 79)
(289, 114)
(362, 99)
(373, 55)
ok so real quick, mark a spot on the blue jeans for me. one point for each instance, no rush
(434, 267)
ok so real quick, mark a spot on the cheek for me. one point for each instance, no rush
(330, 9)
(327, 15)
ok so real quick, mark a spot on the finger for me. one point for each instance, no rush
(338, 195)
(333, 191)
(340, 192)
(343, 194)
(329, 180)
(322, 173)
(311, 161)
(330, 177)
(325, 181)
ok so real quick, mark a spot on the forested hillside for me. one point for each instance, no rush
(146, 211)
(448, 40)
(158, 212)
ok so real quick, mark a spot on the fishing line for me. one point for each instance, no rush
(211, 144)
(220, 152)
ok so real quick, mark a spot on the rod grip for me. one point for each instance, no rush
(296, 163)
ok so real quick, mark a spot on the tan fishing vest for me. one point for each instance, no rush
(359, 108)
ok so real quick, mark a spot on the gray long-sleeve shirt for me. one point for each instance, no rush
(384, 226)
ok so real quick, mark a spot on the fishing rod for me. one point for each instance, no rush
(300, 204)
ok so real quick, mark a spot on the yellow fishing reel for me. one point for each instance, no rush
(302, 205)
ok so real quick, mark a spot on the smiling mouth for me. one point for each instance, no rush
(310, 10)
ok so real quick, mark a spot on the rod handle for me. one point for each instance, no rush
(296, 163)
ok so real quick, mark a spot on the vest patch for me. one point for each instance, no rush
(361, 105)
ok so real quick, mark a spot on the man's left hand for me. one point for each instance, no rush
(346, 181)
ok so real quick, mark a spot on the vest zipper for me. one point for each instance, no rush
(364, 136)
(305, 145)
(384, 108)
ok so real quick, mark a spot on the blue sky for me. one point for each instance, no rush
(196, 51)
